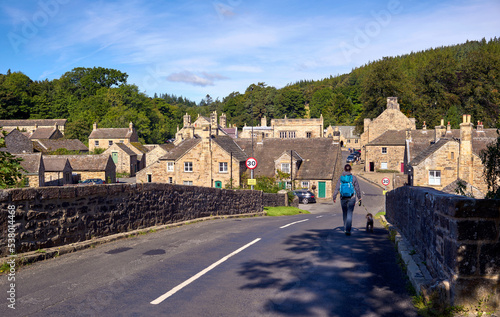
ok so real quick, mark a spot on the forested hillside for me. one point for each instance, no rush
(438, 83)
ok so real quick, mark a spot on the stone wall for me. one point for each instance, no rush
(274, 200)
(457, 237)
(55, 216)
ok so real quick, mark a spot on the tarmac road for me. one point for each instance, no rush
(264, 266)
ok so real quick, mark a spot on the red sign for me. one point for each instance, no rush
(386, 181)
(251, 163)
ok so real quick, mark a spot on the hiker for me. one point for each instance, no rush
(348, 187)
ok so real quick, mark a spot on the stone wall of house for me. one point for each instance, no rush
(301, 127)
(478, 180)
(55, 216)
(444, 160)
(92, 175)
(457, 237)
(394, 157)
(219, 155)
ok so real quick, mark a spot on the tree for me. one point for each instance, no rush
(491, 161)
(10, 167)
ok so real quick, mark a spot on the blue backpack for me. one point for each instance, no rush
(346, 186)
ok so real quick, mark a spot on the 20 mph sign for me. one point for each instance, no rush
(386, 181)
(251, 163)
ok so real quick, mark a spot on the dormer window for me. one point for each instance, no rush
(285, 168)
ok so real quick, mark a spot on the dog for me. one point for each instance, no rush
(369, 222)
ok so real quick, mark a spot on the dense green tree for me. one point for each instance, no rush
(10, 167)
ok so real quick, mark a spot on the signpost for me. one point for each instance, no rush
(386, 181)
(251, 163)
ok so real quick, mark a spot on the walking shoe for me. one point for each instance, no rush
(347, 233)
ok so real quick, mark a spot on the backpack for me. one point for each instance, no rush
(346, 186)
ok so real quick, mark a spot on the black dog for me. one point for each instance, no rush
(369, 222)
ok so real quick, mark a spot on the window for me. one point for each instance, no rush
(383, 165)
(348, 140)
(110, 143)
(96, 143)
(305, 185)
(170, 166)
(170, 180)
(150, 178)
(384, 150)
(308, 135)
(434, 177)
(222, 167)
(121, 141)
(285, 167)
(452, 155)
(291, 134)
(188, 166)
(189, 183)
(282, 135)
(355, 140)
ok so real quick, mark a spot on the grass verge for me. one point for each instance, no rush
(284, 211)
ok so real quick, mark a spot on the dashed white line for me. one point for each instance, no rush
(318, 217)
(200, 274)
(293, 223)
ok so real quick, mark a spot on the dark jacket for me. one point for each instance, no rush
(355, 183)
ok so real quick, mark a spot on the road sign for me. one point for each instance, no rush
(252, 181)
(386, 181)
(251, 163)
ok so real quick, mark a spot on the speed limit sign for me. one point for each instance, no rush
(386, 181)
(251, 163)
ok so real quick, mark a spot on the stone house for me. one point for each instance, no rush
(391, 119)
(386, 152)
(58, 171)
(142, 153)
(451, 158)
(105, 137)
(205, 160)
(35, 169)
(123, 157)
(348, 136)
(287, 128)
(91, 167)
(46, 133)
(32, 125)
(156, 151)
(313, 164)
(191, 130)
(49, 145)
(16, 142)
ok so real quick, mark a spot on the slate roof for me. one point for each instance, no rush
(141, 148)
(390, 137)
(318, 155)
(16, 142)
(33, 122)
(347, 131)
(50, 145)
(480, 140)
(451, 189)
(420, 140)
(46, 133)
(428, 151)
(31, 162)
(229, 145)
(111, 133)
(55, 164)
(181, 149)
(232, 132)
(86, 162)
(122, 147)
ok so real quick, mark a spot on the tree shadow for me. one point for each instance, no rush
(325, 272)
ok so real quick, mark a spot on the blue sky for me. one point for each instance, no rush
(194, 48)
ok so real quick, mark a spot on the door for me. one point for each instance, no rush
(372, 167)
(218, 184)
(321, 189)
(402, 167)
(114, 156)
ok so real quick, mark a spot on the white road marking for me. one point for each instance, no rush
(200, 274)
(293, 223)
(318, 217)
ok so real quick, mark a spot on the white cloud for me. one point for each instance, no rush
(205, 79)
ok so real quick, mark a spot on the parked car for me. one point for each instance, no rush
(356, 153)
(92, 181)
(305, 196)
(351, 158)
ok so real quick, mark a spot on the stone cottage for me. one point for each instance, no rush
(31, 125)
(123, 157)
(105, 137)
(58, 171)
(287, 128)
(34, 176)
(16, 142)
(91, 167)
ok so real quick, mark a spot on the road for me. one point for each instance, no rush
(283, 266)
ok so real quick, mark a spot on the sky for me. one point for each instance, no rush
(194, 48)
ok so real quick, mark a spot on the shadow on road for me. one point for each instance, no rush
(328, 273)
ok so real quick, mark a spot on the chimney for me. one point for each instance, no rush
(440, 131)
(408, 135)
(424, 127)
(131, 126)
(56, 126)
(187, 120)
(465, 170)
(95, 126)
(260, 137)
(263, 121)
(213, 123)
(480, 126)
(223, 120)
(448, 127)
(392, 103)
